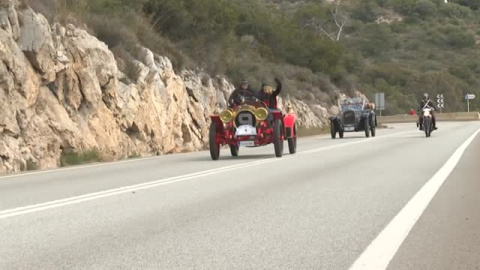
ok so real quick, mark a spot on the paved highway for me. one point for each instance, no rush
(396, 201)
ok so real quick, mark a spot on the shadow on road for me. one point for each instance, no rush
(349, 138)
(228, 157)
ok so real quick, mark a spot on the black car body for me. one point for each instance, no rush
(356, 114)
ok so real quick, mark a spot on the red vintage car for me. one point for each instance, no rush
(249, 125)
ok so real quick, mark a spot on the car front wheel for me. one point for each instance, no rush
(234, 150)
(367, 128)
(214, 146)
(278, 138)
(333, 130)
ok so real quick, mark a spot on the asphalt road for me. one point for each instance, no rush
(330, 206)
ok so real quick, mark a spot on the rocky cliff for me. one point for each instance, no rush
(61, 90)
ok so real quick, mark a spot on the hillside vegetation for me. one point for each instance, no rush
(400, 47)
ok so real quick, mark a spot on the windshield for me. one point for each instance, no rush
(353, 103)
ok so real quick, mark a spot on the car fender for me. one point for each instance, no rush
(336, 122)
(216, 119)
(289, 124)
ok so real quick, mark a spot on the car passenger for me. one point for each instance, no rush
(269, 96)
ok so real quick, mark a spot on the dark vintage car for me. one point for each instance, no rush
(356, 114)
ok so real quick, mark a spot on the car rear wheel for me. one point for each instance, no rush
(333, 130)
(278, 138)
(292, 145)
(373, 128)
(367, 128)
(214, 146)
(292, 142)
(234, 150)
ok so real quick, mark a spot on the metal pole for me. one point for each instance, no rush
(468, 105)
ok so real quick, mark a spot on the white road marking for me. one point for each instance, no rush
(122, 190)
(381, 251)
(79, 167)
(117, 191)
(89, 166)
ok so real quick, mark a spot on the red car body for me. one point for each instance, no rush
(260, 129)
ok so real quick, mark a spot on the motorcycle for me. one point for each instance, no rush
(427, 121)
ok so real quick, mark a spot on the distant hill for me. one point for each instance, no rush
(400, 47)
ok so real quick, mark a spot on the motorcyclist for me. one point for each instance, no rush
(426, 102)
(238, 95)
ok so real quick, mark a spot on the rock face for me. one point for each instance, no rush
(61, 90)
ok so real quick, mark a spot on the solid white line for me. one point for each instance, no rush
(381, 251)
(127, 189)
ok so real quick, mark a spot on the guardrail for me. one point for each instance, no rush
(458, 116)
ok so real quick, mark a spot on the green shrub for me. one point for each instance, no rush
(31, 165)
(78, 158)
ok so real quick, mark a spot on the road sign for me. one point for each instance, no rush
(380, 101)
(440, 101)
(470, 96)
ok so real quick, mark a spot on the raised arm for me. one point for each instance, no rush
(279, 87)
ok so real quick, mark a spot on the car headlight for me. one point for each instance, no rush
(226, 116)
(261, 114)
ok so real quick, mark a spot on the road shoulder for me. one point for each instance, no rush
(447, 236)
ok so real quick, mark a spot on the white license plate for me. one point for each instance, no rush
(349, 128)
(247, 143)
(246, 130)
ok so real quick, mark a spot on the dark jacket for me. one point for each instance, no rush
(429, 103)
(270, 99)
(234, 98)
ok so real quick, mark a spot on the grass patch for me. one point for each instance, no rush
(305, 132)
(31, 165)
(78, 158)
(134, 155)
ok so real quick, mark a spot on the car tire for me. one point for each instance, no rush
(367, 128)
(333, 130)
(373, 128)
(234, 149)
(214, 147)
(278, 138)
(292, 142)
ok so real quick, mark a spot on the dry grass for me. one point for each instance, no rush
(305, 132)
